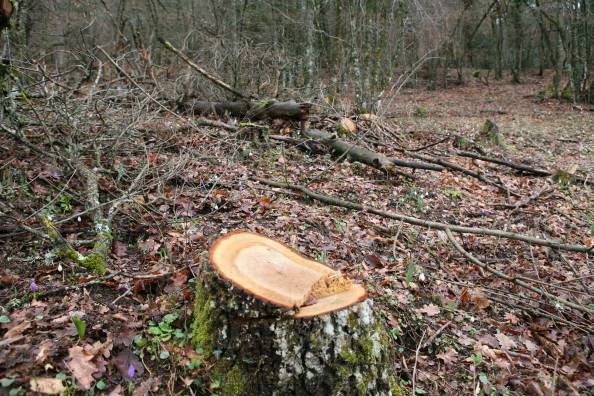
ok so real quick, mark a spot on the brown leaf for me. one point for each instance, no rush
(7, 279)
(480, 300)
(505, 342)
(81, 367)
(449, 358)
(144, 388)
(120, 249)
(47, 386)
(16, 330)
(117, 391)
(513, 319)
(464, 296)
(43, 351)
(429, 310)
(373, 261)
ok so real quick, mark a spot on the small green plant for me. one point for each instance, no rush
(65, 202)
(453, 194)
(158, 333)
(322, 256)
(420, 112)
(477, 358)
(81, 326)
(6, 385)
(410, 271)
(341, 226)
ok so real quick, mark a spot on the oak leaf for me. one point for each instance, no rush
(47, 386)
(81, 366)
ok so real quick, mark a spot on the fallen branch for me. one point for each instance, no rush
(510, 164)
(512, 279)
(252, 110)
(427, 223)
(524, 202)
(203, 72)
(461, 169)
(365, 156)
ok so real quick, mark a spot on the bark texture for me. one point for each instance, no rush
(261, 349)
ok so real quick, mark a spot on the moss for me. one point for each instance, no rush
(396, 388)
(233, 382)
(367, 346)
(94, 262)
(264, 104)
(203, 333)
(567, 93)
(349, 355)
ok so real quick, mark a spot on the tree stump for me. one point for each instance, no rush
(321, 345)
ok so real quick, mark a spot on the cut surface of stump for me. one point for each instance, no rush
(272, 322)
(275, 273)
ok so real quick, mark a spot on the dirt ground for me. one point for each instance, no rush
(458, 329)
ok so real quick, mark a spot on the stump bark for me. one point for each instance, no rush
(259, 348)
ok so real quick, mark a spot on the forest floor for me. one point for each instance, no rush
(459, 329)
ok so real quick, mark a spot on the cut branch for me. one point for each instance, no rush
(427, 223)
(461, 169)
(366, 156)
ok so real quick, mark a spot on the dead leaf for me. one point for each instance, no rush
(117, 391)
(43, 351)
(511, 318)
(505, 342)
(373, 261)
(480, 300)
(120, 249)
(47, 386)
(464, 296)
(81, 367)
(144, 388)
(450, 357)
(16, 330)
(429, 310)
(530, 346)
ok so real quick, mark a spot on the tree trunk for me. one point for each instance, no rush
(260, 349)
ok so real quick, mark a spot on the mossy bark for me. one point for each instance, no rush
(260, 349)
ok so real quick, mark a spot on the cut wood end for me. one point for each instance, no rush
(273, 272)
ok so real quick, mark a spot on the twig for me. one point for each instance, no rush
(203, 72)
(102, 279)
(414, 373)
(438, 332)
(427, 223)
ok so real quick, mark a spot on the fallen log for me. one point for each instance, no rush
(252, 110)
(366, 156)
(250, 308)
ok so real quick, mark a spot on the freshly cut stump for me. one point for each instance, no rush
(277, 323)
